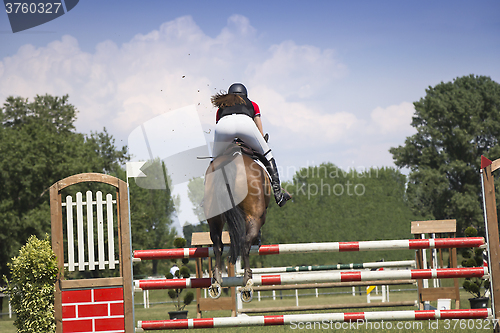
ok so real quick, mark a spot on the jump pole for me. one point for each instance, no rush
(293, 278)
(328, 307)
(335, 285)
(404, 244)
(355, 318)
(378, 264)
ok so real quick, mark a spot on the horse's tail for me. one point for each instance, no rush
(233, 217)
(235, 220)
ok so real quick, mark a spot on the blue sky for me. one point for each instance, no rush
(335, 80)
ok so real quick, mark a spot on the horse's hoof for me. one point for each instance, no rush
(247, 295)
(214, 290)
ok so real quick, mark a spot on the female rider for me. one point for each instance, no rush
(239, 117)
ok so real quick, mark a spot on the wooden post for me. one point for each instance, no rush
(58, 248)
(200, 239)
(439, 227)
(199, 274)
(487, 167)
(231, 272)
(125, 241)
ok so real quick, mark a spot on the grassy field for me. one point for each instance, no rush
(160, 311)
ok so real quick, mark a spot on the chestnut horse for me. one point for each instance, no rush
(237, 193)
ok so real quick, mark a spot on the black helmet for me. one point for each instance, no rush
(237, 89)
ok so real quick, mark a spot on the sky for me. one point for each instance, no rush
(335, 80)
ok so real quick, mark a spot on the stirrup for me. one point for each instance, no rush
(284, 196)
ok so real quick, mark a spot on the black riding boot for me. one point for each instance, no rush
(280, 195)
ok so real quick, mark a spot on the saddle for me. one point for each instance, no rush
(240, 146)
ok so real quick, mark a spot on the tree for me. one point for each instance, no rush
(196, 191)
(456, 123)
(330, 204)
(151, 206)
(39, 146)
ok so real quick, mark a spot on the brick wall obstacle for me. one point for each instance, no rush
(92, 304)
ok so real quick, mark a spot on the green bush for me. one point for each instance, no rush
(179, 242)
(474, 258)
(31, 288)
(175, 294)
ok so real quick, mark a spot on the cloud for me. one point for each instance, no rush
(393, 119)
(44, 70)
(303, 124)
(239, 24)
(176, 65)
(298, 70)
(121, 86)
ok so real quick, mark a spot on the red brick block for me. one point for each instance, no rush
(75, 326)
(92, 310)
(109, 324)
(108, 294)
(77, 296)
(116, 309)
(69, 311)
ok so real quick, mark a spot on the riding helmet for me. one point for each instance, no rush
(237, 89)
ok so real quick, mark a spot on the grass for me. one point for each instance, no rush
(160, 311)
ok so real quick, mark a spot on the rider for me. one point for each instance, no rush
(239, 117)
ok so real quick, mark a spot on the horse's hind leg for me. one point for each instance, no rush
(251, 237)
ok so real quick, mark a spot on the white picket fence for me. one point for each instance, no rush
(100, 204)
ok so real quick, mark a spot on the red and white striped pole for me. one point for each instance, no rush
(266, 270)
(294, 278)
(405, 244)
(357, 319)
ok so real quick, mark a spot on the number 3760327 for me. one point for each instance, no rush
(33, 8)
(476, 324)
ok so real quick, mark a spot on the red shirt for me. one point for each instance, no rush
(255, 108)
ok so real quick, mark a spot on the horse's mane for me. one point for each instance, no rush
(223, 100)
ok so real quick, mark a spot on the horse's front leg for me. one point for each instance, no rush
(215, 289)
(247, 290)
(217, 271)
(251, 236)
(247, 272)
(218, 247)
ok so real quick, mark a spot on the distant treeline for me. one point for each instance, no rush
(333, 205)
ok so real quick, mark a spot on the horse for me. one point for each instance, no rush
(237, 193)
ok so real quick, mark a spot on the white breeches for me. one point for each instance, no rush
(238, 126)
